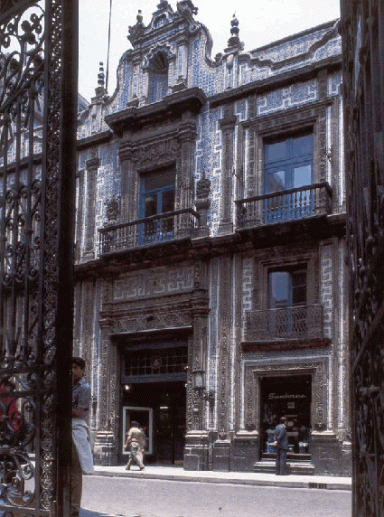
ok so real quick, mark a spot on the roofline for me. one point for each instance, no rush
(295, 36)
(258, 86)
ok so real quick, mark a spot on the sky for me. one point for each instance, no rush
(260, 22)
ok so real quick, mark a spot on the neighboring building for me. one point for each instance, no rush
(211, 285)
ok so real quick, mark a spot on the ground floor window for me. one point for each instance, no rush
(290, 397)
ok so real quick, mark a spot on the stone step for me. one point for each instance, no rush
(290, 456)
(293, 467)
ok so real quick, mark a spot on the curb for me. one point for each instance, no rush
(316, 483)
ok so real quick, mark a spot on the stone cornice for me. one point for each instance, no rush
(276, 81)
(309, 229)
(95, 139)
(308, 111)
(171, 107)
(284, 344)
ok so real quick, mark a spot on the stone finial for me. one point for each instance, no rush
(139, 18)
(234, 40)
(100, 90)
(135, 32)
(235, 26)
(101, 76)
(186, 7)
(163, 4)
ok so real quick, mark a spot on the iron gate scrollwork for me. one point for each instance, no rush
(38, 85)
(363, 70)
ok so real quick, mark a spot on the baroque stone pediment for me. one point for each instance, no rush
(164, 19)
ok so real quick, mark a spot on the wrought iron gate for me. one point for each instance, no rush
(38, 85)
(363, 63)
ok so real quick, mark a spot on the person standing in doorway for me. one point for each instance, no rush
(82, 458)
(281, 444)
(135, 444)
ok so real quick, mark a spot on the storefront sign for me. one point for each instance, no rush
(286, 396)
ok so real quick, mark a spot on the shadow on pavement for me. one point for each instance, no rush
(90, 513)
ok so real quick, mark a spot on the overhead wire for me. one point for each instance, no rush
(109, 45)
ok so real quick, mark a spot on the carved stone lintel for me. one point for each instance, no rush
(149, 155)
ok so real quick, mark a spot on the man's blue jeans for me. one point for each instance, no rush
(281, 461)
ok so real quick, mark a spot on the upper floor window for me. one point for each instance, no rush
(287, 288)
(288, 163)
(288, 166)
(158, 77)
(157, 197)
(288, 301)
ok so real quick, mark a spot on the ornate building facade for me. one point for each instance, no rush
(211, 285)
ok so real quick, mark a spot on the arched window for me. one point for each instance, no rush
(158, 77)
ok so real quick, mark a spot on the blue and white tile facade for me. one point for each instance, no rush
(268, 74)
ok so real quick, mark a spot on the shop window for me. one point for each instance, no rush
(288, 174)
(291, 397)
(157, 199)
(158, 78)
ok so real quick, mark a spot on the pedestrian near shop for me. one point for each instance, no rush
(135, 444)
(82, 457)
(281, 444)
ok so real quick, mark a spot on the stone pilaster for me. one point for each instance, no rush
(221, 447)
(129, 180)
(227, 125)
(185, 165)
(196, 451)
(92, 166)
(202, 203)
(106, 438)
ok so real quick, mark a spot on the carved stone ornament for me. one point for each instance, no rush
(149, 155)
(160, 319)
(203, 188)
(112, 209)
(164, 49)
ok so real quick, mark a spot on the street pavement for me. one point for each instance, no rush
(174, 492)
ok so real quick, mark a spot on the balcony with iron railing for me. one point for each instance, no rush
(283, 206)
(302, 322)
(153, 230)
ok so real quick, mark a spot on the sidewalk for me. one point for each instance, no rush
(240, 478)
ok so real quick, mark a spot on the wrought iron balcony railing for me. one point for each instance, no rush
(299, 322)
(157, 229)
(286, 205)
